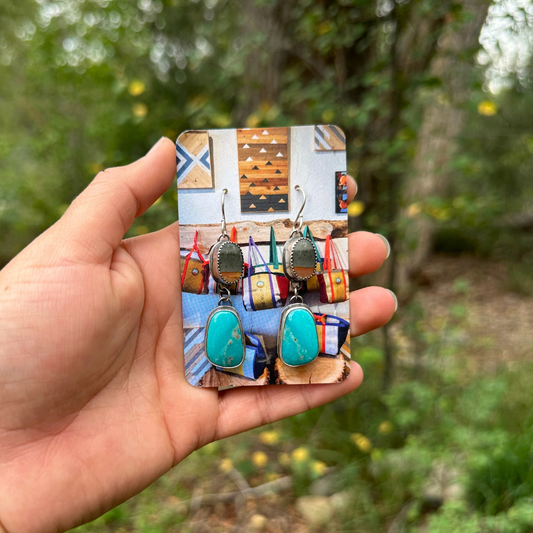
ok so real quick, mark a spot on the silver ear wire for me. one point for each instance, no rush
(226, 262)
(223, 222)
(298, 221)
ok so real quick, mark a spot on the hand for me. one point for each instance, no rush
(94, 405)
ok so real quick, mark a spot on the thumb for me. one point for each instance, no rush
(98, 218)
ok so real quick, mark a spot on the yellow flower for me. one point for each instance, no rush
(487, 108)
(136, 87)
(141, 230)
(221, 120)
(272, 476)
(355, 209)
(319, 467)
(158, 201)
(362, 442)
(140, 110)
(385, 427)
(264, 107)
(259, 459)
(269, 437)
(300, 455)
(414, 209)
(284, 459)
(226, 465)
(253, 120)
(96, 167)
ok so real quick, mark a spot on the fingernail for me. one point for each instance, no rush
(395, 300)
(387, 244)
(156, 145)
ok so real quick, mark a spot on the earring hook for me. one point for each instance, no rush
(298, 221)
(223, 222)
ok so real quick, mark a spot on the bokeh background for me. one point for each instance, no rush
(436, 99)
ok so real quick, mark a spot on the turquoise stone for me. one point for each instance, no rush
(299, 342)
(223, 339)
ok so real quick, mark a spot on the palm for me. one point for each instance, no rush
(94, 404)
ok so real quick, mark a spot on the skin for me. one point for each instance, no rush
(94, 404)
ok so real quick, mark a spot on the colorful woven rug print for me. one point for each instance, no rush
(193, 160)
(263, 169)
(329, 138)
(341, 192)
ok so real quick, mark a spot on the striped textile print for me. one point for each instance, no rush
(346, 349)
(196, 363)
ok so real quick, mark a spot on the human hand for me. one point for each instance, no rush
(94, 404)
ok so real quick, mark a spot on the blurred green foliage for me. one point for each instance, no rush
(91, 84)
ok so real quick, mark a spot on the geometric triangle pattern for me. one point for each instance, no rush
(263, 155)
(193, 161)
(329, 138)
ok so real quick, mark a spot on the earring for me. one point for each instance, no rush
(297, 335)
(224, 335)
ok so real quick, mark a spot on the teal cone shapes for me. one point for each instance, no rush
(298, 338)
(224, 338)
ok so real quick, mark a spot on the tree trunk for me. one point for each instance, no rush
(265, 62)
(442, 122)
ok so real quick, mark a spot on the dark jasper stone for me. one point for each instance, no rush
(303, 258)
(304, 253)
(230, 262)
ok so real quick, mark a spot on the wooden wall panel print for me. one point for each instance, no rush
(193, 158)
(263, 169)
(329, 138)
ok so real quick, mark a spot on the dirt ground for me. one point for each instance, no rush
(498, 324)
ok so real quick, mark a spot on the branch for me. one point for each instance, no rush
(283, 483)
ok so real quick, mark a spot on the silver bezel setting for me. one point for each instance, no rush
(288, 258)
(211, 314)
(215, 265)
(286, 311)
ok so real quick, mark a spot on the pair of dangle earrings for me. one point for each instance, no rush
(297, 340)
(224, 344)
